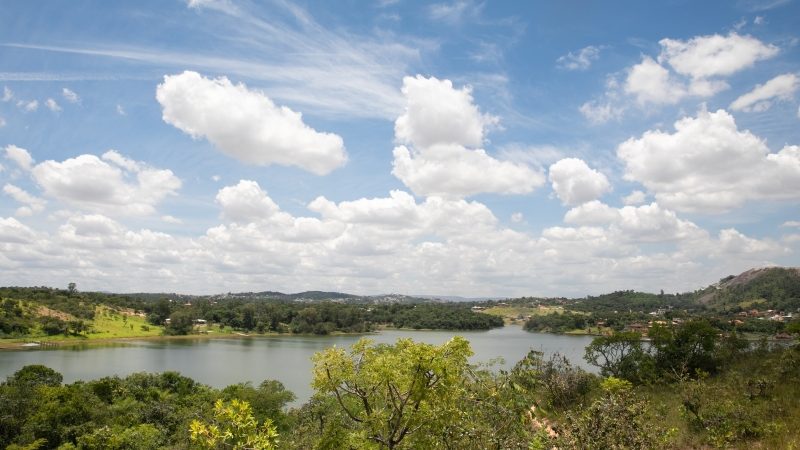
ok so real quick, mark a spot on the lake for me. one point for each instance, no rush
(222, 362)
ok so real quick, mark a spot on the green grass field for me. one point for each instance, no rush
(517, 314)
(109, 323)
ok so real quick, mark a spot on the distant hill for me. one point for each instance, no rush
(775, 288)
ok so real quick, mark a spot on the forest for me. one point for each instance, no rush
(691, 387)
(32, 312)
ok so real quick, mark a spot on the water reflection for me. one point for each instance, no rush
(225, 361)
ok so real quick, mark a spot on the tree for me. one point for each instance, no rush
(685, 350)
(180, 322)
(620, 355)
(72, 288)
(393, 393)
(267, 401)
(234, 427)
(35, 375)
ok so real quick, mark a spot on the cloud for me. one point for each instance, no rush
(246, 202)
(113, 184)
(635, 198)
(438, 113)
(574, 182)
(70, 95)
(593, 212)
(121, 110)
(517, 217)
(171, 219)
(637, 224)
(455, 12)
(19, 156)
(714, 55)
(761, 5)
(32, 204)
(52, 105)
(2, 122)
(597, 113)
(374, 245)
(13, 231)
(349, 75)
(440, 122)
(28, 106)
(8, 95)
(580, 60)
(707, 165)
(246, 124)
(791, 223)
(455, 171)
(761, 97)
(649, 82)
(699, 66)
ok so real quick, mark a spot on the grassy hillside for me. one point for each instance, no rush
(776, 288)
(46, 314)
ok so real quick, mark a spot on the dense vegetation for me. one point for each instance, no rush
(32, 312)
(690, 389)
(759, 301)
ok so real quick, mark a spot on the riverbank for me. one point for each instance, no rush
(35, 343)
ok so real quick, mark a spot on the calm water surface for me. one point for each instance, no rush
(222, 362)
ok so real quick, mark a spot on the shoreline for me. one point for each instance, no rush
(23, 344)
(17, 344)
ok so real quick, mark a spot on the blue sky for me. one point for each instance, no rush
(454, 148)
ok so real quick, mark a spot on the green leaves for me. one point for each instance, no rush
(234, 427)
(392, 393)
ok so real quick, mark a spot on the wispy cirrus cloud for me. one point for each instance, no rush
(297, 60)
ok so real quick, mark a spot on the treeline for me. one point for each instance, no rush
(28, 311)
(690, 388)
(632, 301)
(435, 316)
(558, 322)
(317, 317)
(141, 411)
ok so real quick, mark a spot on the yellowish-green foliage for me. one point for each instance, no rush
(234, 427)
(392, 394)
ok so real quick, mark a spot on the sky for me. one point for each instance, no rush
(465, 148)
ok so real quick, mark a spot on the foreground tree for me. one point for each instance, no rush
(393, 394)
(234, 427)
(620, 355)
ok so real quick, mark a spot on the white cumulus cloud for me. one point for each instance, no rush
(455, 171)
(709, 165)
(246, 202)
(574, 182)
(443, 129)
(761, 97)
(31, 203)
(113, 184)
(438, 113)
(246, 124)
(714, 55)
(19, 156)
(649, 82)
